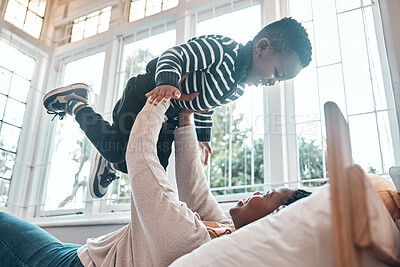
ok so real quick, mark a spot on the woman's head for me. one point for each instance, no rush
(260, 204)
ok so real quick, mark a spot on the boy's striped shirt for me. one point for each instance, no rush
(217, 66)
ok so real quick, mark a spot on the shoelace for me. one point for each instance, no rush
(60, 114)
(107, 177)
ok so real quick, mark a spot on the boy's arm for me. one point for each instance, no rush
(191, 181)
(154, 203)
(204, 123)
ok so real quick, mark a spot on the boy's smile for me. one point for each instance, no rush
(268, 67)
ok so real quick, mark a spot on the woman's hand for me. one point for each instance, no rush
(206, 148)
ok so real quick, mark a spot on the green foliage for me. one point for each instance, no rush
(241, 148)
(310, 161)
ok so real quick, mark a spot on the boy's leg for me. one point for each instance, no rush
(73, 99)
(69, 99)
(25, 244)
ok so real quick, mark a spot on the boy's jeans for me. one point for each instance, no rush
(25, 244)
(111, 140)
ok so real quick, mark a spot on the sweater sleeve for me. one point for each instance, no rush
(204, 123)
(170, 227)
(190, 178)
(197, 54)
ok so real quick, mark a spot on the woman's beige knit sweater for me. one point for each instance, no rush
(163, 226)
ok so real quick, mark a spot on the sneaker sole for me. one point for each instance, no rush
(93, 178)
(50, 96)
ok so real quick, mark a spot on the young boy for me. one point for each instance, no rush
(204, 73)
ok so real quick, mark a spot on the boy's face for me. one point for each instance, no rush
(267, 67)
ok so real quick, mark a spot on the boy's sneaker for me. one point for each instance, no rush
(58, 100)
(103, 173)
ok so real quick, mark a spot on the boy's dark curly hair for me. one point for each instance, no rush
(298, 194)
(287, 36)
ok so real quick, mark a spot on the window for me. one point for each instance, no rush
(346, 69)
(27, 15)
(70, 162)
(144, 8)
(135, 57)
(16, 70)
(237, 163)
(92, 24)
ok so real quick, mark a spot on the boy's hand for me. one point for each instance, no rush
(205, 146)
(166, 92)
(163, 92)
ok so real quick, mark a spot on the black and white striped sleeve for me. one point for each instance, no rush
(203, 123)
(197, 54)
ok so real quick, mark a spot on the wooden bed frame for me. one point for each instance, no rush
(351, 231)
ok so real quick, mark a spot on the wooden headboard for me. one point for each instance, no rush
(351, 232)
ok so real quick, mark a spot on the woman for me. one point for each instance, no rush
(163, 227)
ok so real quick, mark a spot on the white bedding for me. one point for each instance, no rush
(299, 235)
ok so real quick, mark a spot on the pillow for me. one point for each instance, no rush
(388, 193)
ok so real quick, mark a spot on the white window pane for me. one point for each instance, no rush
(365, 142)
(71, 155)
(330, 81)
(104, 22)
(386, 141)
(7, 161)
(33, 24)
(375, 62)
(77, 31)
(15, 13)
(344, 5)
(5, 80)
(242, 119)
(24, 65)
(14, 113)
(87, 70)
(300, 9)
(106, 9)
(138, 54)
(241, 159)
(219, 162)
(309, 145)
(326, 32)
(38, 6)
(258, 110)
(368, 2)
(9, 136)
(7, 55)
(241, 31)
(355, 63)
(306, 88)
(71, 149)
(3, 100)
(167, 4)
(4, 189)
(153, 7)
(137, 10)
(219, 167)
(93, 14)
(91, 27)
(19, 88)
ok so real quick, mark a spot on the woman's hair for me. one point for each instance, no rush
(298, 194)
(287, 36)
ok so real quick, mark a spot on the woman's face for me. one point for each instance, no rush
(259, 205)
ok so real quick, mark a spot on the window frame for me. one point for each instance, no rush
(26, 13)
